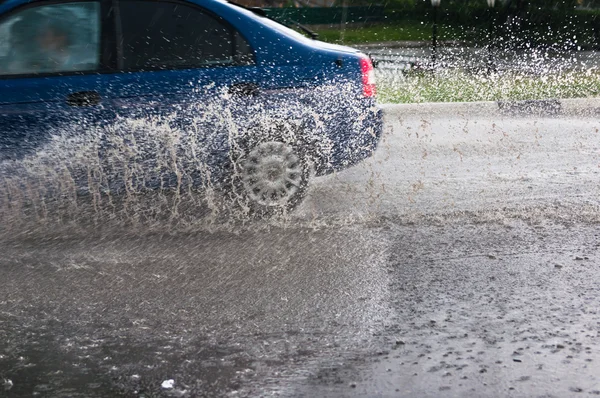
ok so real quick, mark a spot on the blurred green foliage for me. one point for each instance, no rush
(576, 23)
(459, 86)
(404, 31)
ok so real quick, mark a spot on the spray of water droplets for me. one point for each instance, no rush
(179, 171)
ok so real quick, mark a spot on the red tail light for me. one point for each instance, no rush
(368, 77)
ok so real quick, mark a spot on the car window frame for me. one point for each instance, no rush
(233, 30)
(107, 56)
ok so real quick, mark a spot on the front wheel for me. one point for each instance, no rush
(273, 176)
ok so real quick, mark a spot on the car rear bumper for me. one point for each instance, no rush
(354, 137)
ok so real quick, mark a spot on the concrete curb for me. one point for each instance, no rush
(583, 107)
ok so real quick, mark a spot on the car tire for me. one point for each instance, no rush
(271, 177)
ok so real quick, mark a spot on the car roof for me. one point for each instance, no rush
(278, 45)
(11, 3)
(8, 4)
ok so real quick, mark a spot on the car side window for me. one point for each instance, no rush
(52, 38)
(167, 35)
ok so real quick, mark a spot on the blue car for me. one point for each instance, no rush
(179, 94)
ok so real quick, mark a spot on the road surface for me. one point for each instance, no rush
(461, 260)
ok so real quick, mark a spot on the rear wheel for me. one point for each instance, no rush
(272, 176)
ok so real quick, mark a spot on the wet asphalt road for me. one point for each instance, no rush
(461, 260)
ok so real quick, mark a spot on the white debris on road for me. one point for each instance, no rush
(8, 384)
(168, 384)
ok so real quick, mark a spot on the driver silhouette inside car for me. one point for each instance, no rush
(54, 46)
(39, 44)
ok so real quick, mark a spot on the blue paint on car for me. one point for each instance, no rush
(77, 66)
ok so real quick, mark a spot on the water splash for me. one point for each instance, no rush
(177, 171)
(486, 73)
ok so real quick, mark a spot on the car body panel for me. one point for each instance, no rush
(37, 108)
(292, 78)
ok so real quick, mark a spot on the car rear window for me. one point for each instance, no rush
(281, 28)
(167, 35)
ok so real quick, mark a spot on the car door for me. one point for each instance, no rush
(51, 58)
(179, 67)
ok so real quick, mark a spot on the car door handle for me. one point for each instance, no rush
(244, 89)
(83, 98)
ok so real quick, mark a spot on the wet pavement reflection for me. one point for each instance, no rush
(461, 260)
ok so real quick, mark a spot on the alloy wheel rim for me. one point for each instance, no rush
(272, 174)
